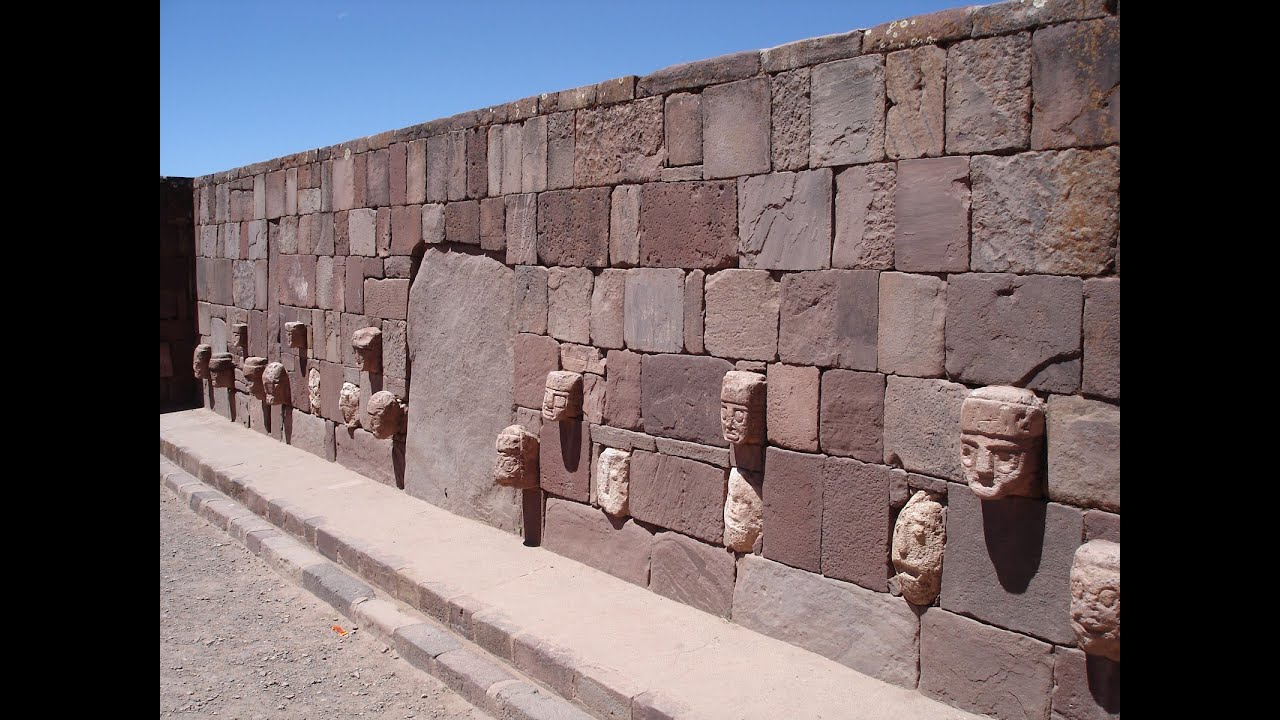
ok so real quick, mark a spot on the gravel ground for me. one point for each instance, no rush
(239, 641)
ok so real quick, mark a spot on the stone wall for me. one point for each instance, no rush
(178, 389)
(878, 221)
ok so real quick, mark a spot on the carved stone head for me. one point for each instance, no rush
(296, 334)
(200, 361)
(386, 414)
(223, 369)
(349, 404)
(240, 335)
(253, 367)
(562, 399)
(1001, 429)
(367, 342)
(313, 390)
(919, 537)
(517, 463)
(742, 399)
(613, 484)
(1095, 598)
(743, 510)
(275, 384)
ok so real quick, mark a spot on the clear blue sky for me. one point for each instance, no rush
(247, 81)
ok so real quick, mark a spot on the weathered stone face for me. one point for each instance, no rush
(742, 407)
(386, 414)
(296, 333)
(743, 511)
(223, 369)
(918, 540)
(613, 481)
(1001, 429)
(562, 399)
(349, 403)
(200, 361)
(1095, 598)
(517, 462)
(367, 342)
(313, 390)
(253, 367)
(240, 335)
(275, 384)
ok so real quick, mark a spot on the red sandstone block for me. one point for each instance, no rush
(564, 459)
(793, 508)
(856, 522)
(437, 168)
(359, 178)
(677, 493)
(811, 51)
(573, 227)
(680, 396)
(359, 450)
(711, 71)
(689, 225)
(477, 163)
(1076, 84)
(829, 318)
(937, 27)
(535, 355)
(388, 299)
(531, 299)
(581, 532)
(331, 379)
(377, 179)
(1085, 687)
(684, 129)
(462, 222)
(932, 207)
(397, 165)
(619, 143)
(693, 573)
(793, 407)
(354, 285)
(989, 94)
(1102, 337)
(790, 121)
(493, 232)
(852, 418)
(406, 229)
(623, 390)
(275, 202)
(847, 112)
(742, 314)
(297, 280)
(984, 669)
(735, 128)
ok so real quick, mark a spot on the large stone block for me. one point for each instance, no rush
(415, 173)
(654, 309)
(531, 299)
(852, 419)
(309, 432)
(560, 150)
(573, 227)
(406, 229)
(684, 129)
(922, 425)
(735, 128)
(873, 633)
(343, 183)
(564, 459)
(493, 230)
(1021, 330)
(689, 225)
(1008, 563)
(693, 312)
(462, 361)
(607, 309)
(569, 304)
(1084, 452)
(693, 573)
(847, 112)
(989, 94)
(535, 356)
(914, 82)
(533, 161)
(720, 69)
(983, 669)
(1048, 212)
(784, 220)
(1075, 81)
(360, 451)
(742, 315)
(932, 210)
(940, 26)
(790, 140)
(793, 407)
(619, 547)
(1102, 337)
(387, 298)
(624, 226)
(623, 390)
(677, 493)
(297, 280)
(793, 508)
(522, 229)
(1008, 17)
(620, 143)
(913, 312)
(865, 218)
(856, 522)
(829, 318)
(1085, 687)
(681, 397)
(377, 180)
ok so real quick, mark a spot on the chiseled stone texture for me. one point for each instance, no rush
(654, 309)
(829, 318)
(793, 508)
(811, 51)
(573, 227)
(689, 225)
(684, 129)
(784, 220)
(619, 547)
(720, 69)
(359, 450)
(913, 312)
(461, 223)
(742, 314)
(1008, 563)
(681, 397)
(1075, 80)
(847, 112)
(914, 81)
(852, 419)
(1084, 452)
(932, 215)
(693, 312)
(793, 407)
(569, 304)
(865, 217)
(624, 226)
(607, 309)
(922, 425)
(531, 299)
(620, 143)
(1023, 14)
(1102, 337)
(680, 494)
(873, 633)
(693, 573)
(1021, 330)
(989, 94)
(1085, 687)
(735, 128)
(983, 669)
(564, 459)
(790, 143)
(622, 390)
(856, 522)
(456, 411)
(522, 229)
(309, 432)
(535, 356)
(1055, 212)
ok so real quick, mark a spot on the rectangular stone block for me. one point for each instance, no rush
(533, 160)
(793, 508)
(693, 573)
(397, 163)
(619, 547)
(784, 221)
(387, 298)
(922, 425)
(677, 493)
(689, 225)
(654, 310)
(865, 217)
(681, 397)
(274, 186)
(932, 214)
(607, 309)
(360, 451)
(569, 304)
(847, 112)
(573, 227)
(619, 143)
(684, 129)
(477, 149)
(1008, 17)
(793, 407)
(493, 231)
(456, 181)
(984, 669)
(331, 278)
(437, 168)
(378, 179)
(297, 281)
(343, 184)
(462, 222)
(260, 197)
(395, 352)
(623, 390)
(1084, 452)
(624, 226)
(354, 289)
(415, 173)
(829, 318)
(1102, 338)
(693, 312)
(790, 139)
(856, 522)
(1085, 687)
(564, 459)
(852, 419)
(1021, 330)
(735, 128)
(406, 229)
(913, 311)
(685, 76)
(941, 26)
(873, 633)
(531, 299)
(362, 229)
(989, 94)
(914, 84)
(560, 150)
(535, 356)
(742, 314)
(1075, 81)
(1100, 525)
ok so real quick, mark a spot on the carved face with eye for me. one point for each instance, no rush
(742, 400)
(1000, 433)
(562, 396)
(1095, 598)
(918, 540)
(992, 466)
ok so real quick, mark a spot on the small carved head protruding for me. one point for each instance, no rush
(562, 399)
(275, 384)
(240, 335)
(613, 482)
(313, 390)
(919, 538)
(253, 368)
(296, 334)
(1001, 429)
(349, 404)
(386, 414)
(367, 342)
(1095, 598)
(200, 361)
(517, 462)
(743, 510)
(742, 405)
(223, 369)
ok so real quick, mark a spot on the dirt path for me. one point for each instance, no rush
(239, 641)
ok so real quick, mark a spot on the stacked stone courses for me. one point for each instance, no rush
(878, 221)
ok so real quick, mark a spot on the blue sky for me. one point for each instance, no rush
(247, 81)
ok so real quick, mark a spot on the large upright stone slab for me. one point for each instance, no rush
(678, 493)
(847, 112)
(462, 363)
(984, 669)
(784, 221)
(680, 395)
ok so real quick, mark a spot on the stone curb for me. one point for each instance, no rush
(472, 673)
